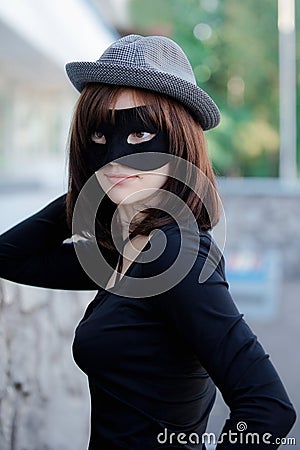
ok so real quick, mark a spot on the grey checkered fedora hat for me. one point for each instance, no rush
(155, 63)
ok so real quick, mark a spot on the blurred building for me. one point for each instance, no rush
(36, 98)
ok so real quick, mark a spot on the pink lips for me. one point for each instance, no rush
(120, 177)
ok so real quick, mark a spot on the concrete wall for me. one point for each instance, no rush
(264, 215)
(44, 396)
(44, 402)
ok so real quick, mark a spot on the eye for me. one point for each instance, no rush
(139, 137)
(98, 137)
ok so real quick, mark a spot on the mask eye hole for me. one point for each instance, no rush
(98, 137)
(138, 137)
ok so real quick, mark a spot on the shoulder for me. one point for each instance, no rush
(183, 248)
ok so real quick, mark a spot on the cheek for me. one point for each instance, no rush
(102, 180)
(154, 181)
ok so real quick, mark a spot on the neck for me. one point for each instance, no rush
(129, 215)
(133, 213)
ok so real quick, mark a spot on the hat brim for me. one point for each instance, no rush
(192, 96)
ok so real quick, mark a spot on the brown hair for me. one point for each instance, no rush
(186, 140)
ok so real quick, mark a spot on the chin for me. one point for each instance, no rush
(127, 198)
(120, 200)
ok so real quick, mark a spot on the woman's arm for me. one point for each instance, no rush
(205, 316)
(33, 252)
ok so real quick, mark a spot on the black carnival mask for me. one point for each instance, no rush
(128, 134)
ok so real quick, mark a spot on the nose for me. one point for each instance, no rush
(113, 164)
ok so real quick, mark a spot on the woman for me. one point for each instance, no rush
(163, 330)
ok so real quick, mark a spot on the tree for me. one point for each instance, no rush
(233, 49)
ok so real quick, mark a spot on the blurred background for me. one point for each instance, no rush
(246, 55)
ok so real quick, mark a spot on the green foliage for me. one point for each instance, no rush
(233, 49)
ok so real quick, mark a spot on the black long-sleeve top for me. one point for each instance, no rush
(153, 363)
